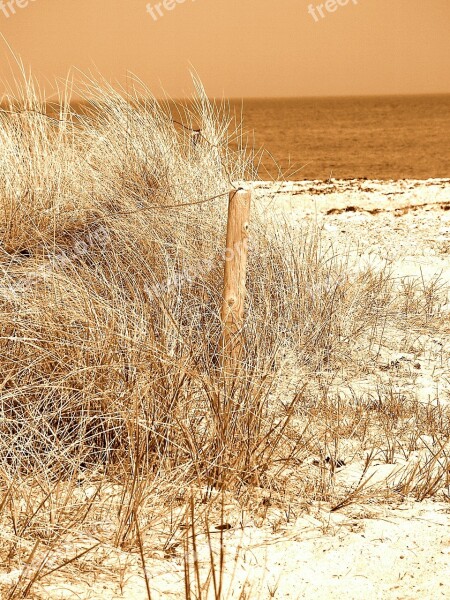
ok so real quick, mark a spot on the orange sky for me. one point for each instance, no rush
(240, 48)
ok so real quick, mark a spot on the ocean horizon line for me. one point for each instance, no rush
(80, 99)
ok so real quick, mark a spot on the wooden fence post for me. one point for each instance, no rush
(232, 313)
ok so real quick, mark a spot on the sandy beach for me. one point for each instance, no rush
(404, 223)
(381, 542)
(396, 548)
(391, 548)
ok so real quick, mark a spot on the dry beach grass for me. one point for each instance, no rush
(127, 467)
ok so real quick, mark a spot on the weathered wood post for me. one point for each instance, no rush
(232, 313)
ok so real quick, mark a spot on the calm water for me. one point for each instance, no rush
(389, 137)
(385, 137)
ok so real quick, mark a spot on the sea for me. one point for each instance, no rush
(374, 137)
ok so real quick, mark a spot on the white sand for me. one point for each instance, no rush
(365, 551)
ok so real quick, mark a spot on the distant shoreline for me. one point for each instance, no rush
(369, 196)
